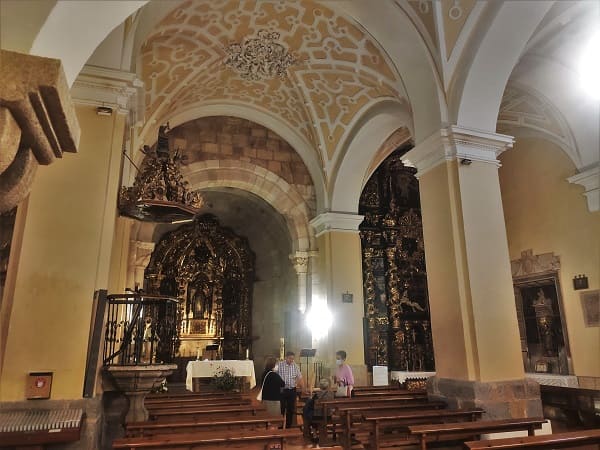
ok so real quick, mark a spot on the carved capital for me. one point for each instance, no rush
(337, 221)
(300, 262)
(457, 143)
(37, 121)
(590, 180)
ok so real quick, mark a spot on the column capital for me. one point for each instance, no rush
(336, 221)
(455, 142)
(117, 89)
(590, 180)
(300, 261)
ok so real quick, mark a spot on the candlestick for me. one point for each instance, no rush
(198, 354)
(247, 353)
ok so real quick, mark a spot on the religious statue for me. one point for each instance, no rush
(404, 300)
(544, 318)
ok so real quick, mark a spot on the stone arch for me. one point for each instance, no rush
(477, 93)
(73, 41)
(282, 196)
(525, 112)
(304, 149)
(371, 131)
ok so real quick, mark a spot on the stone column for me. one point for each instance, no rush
(473, 314)
(139, 257)
(300, 263)
(339, 269)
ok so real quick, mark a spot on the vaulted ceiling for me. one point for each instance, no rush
(339, 70)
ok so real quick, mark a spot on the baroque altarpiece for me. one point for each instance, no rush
(397, 321)
(212, 269)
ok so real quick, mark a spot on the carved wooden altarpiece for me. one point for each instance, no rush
(397, 321)
(212, 268)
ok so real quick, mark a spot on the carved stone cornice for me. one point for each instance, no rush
(457, 143)
(37, 121)
(530, 264)
(117, 89)
(590, 180)
(336, 221)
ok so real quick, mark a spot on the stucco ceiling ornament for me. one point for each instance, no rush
(259, 58)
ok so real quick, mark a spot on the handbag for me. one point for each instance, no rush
(259, 396)
(342, 391)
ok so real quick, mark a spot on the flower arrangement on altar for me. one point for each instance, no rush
(224, 380)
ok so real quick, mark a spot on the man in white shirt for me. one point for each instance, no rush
(290, 373)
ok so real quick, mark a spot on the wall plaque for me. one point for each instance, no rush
(38, 385)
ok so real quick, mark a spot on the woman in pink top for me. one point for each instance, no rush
(343, 374)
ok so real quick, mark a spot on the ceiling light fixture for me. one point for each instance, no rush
(159, 192)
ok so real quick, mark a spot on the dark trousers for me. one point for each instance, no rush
(288, 405)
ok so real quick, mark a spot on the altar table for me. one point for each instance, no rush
(207, 369)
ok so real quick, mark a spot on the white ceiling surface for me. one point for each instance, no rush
(73, 29)
(550, 65)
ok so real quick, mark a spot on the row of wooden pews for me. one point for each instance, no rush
(394, 418)
(211, 420)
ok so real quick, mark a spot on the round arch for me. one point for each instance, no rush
(478, 92)
(304, 149)
(375, 126)
(255, 179)
(74, 41)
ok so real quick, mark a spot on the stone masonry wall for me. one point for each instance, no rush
(231, 138)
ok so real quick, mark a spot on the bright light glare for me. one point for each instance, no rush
(319, 319)
(589, 67)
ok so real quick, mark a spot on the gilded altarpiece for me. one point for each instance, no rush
(212, 268)
(397, 321)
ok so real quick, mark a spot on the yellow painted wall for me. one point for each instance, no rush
(64, 258)
(340, 270)
(547, 214)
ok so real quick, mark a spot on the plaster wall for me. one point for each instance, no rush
(63, 259)
(340, 271)
(545, 213)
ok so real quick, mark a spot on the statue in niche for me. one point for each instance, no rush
(544, 318)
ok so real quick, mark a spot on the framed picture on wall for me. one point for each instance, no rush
(590, 304)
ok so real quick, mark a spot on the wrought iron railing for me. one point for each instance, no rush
(141, 329)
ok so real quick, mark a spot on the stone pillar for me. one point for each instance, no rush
(139, 257)
(473, 314)
(339, 269)
(300, 263)
(37, 121)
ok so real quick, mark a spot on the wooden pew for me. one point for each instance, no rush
(352, 417)
(389, 392)
(385, 428)
(465, 430)
(578, 405)
(156, 399)
(155, 407)
(197, 413)
(241, 439)
(331, 408)
(189, 394)
(571, 439)
(243, 422)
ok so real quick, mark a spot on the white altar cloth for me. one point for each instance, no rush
(207, 369)
(401, 375)
(554, 380)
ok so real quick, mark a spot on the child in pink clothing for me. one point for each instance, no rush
(343, 373)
